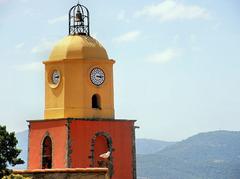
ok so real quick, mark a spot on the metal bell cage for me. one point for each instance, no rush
(79, 20)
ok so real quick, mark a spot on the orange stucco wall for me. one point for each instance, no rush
(72, 96)
(57, 130)
(82, 133)
(76, 135)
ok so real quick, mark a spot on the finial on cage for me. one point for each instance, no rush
(79, 20)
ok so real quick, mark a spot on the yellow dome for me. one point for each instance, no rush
(78, 47)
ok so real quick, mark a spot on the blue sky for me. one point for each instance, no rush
(177, 65)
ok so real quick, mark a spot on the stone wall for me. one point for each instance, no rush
(68, 173)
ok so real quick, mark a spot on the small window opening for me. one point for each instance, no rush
(47, 153)
(96, 101)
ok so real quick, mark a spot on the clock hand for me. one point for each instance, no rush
(99, 76)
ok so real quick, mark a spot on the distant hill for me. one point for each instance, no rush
(150, 146)
(212, 155)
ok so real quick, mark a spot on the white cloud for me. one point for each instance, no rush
(44, 46)
(165, 56)
(170, 10)
(20, 45)
(127, 37)
(58, 19)
(34, 66)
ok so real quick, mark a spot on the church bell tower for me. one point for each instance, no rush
(79, 129)
(79, 74)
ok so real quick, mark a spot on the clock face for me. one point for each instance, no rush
(56, 77)
(97, 76)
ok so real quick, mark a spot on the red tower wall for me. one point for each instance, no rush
(57, 131)
(73, 139)
(121, 132)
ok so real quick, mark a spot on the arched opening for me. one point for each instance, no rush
(101, 147)
(47, 153)
(96, 103)
(101, 151)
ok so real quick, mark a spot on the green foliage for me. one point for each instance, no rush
(12, 176)
(8, 151)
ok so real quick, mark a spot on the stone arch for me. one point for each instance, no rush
(106, 162)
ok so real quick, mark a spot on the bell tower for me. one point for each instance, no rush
(79, 129)
(79, 74)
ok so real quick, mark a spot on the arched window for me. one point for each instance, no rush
(47, 153)
(96, 101)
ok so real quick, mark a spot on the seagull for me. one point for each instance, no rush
(105, 155)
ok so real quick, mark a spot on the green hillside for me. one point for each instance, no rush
(150, 146)
(212, 155)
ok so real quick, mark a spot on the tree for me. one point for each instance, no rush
(8, 151)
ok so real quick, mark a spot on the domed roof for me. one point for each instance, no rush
(78, 47)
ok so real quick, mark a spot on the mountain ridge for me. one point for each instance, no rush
(213, 155)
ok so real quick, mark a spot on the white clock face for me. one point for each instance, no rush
(56, 77)
(97, 76)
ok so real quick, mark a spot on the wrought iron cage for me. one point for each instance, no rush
(79, 20)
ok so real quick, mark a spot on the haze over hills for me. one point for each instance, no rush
(211, 155)
(150, 146)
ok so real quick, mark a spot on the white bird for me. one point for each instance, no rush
(105, 155)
